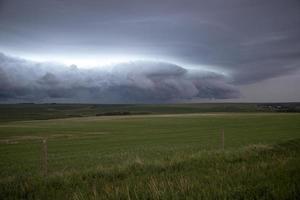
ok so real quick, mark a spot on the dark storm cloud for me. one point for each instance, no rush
(136, 82)
(252, 40)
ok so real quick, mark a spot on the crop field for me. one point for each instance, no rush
(222, 155)
(19, 112)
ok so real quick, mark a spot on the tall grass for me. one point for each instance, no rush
(251, 172)
(152, 157)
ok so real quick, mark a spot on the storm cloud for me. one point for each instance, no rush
(135, 82)
(250, 41)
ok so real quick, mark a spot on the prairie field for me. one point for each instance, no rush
(208, 155)
(149, 100)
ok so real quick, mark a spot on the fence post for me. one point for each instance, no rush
(45, 157)
(222, 139)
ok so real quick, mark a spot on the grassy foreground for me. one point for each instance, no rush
(153, 157)
(253, 172)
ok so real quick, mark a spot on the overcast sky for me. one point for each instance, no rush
(137, 51)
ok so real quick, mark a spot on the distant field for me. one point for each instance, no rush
(19, 112)
(152, 156)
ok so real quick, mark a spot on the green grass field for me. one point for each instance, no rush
(19, 112)
(153, 157)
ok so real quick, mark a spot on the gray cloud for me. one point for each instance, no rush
(135, 82)
(252, 39)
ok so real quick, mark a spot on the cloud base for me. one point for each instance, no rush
(132, 82)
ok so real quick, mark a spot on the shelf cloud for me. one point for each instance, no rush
(250, 41)
(134, 82)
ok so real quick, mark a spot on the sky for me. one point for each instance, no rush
(158, 51)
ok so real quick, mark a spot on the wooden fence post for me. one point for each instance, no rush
(45, 157)
(222, 139)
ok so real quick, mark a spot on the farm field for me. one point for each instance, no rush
(168, 156)
(21, 112)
